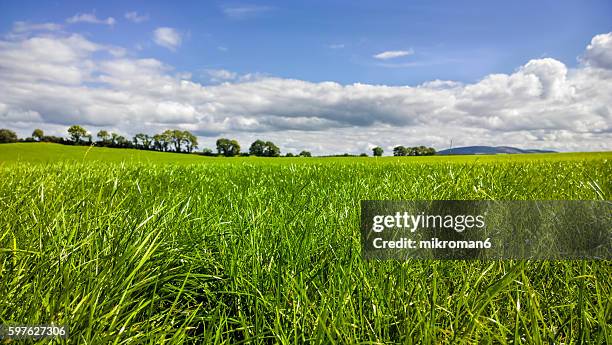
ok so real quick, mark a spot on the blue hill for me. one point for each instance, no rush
(488, 150)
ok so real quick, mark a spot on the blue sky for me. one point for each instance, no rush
(332, 40)
(323, 76)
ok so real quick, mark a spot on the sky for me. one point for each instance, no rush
(324, 76)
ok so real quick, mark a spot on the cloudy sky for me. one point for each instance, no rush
(329, 77)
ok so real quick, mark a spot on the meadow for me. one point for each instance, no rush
(127, 246)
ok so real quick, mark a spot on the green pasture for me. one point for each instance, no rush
(126, 246)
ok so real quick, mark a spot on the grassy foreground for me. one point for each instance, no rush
(242, 250)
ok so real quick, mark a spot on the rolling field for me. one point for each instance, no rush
(50, 153)
(128, 246)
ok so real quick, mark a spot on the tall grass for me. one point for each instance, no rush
(231, 253)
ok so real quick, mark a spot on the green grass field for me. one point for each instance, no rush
(127, 246)
(50, 153)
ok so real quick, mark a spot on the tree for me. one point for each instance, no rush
(227, 147)
(142, 141)
(38, 134)
(264, 149)
(76, 133)
(234, 148)
(122, 141)
(289, 154)
(146, 141)
(190, 140)
(377, 151)
(53, 139)
(207, 152)
(257, 148)
(176, 137)
(223, 145)
(363, 154)
(421, 151)
(104, 136)
(305, 154)
(400, 151)
(158, 142)
(139, 140)
(7, 136)
(162, 141)
(114, 138)
(271, 150)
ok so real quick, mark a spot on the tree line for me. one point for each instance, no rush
(175, 140)
(399, 151)
(171, 140)
(413, 151)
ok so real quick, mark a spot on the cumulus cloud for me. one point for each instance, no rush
(392, 54)
(59, 60)
(135, 17)
(167, 37)
(90, 18)
(599, 52)
(53, 81)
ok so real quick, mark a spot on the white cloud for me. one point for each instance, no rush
(90, 18)
(336, 46)
(135, 17)
(64, 60)
(219, 75)
(599, 52)
(53, 81)
(242, 12)
(25, 27)
(392, 54)
(167, 38)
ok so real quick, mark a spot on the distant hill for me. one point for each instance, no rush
(487, 150)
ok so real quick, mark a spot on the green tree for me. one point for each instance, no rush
(289, 154)
(146, 141)
(176, 137)
(271, 150)
(421, 150)
(158, 142)
(76, 133)
(400, 151)
(190, 140)
(223, 145)
(7, 136)
(139, 140)
(377, 151)
(264, 149)
(103, 136)
(161, 141)
(121, 141)
(38, 134)
(114, 138)
(257, 148)
(227, 147)
(305, 154)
